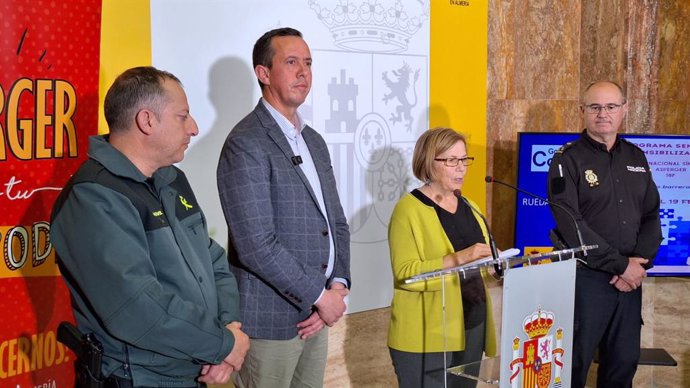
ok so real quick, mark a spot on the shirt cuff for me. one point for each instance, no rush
(341, 280)
(320, 295)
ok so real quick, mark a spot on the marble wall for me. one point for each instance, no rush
(543, 54)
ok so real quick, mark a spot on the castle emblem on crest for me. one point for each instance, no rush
(541, 359)
(377, 92)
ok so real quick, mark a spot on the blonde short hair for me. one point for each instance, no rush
(432, 143)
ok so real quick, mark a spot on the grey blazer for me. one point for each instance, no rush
(278, 237)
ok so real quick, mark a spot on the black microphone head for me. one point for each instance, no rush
(457, 193)
(489, 179)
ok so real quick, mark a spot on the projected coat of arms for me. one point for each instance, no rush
(376, 103)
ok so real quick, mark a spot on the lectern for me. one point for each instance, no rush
(537, 320)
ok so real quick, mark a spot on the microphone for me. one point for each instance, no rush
(296, 160)
(492, 242)
(490, 179)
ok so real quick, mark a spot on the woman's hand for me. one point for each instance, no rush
(467, 255)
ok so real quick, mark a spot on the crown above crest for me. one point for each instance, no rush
(538, 324)
(370, 26)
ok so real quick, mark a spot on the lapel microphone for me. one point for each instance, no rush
(296, 160)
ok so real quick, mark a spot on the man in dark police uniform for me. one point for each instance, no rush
(606, 183)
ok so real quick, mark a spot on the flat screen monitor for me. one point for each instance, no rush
(669, 160)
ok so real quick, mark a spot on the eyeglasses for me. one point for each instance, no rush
(453, 162)
(608, 108)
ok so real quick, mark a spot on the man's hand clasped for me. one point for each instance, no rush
(331, 306)
(220, 373)
(633, 276)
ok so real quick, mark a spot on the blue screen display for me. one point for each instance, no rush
(669, 160)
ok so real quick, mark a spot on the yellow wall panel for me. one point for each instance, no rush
(125, 42)
(457, 82)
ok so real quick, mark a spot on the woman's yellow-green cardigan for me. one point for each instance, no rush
(417, 245)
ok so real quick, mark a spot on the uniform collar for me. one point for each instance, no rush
(118, 164)
(600, 146)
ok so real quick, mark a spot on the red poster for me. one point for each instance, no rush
(49, 65)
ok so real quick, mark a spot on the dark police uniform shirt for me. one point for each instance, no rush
(613, 197)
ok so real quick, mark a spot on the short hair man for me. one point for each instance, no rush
(606, 183)
(133, 246)
(289, 236)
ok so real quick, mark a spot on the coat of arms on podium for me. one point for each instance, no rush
(542, 358)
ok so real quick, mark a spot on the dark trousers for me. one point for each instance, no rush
(426, 370)
(609, 320)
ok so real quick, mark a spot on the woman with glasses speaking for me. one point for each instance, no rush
(433, 228)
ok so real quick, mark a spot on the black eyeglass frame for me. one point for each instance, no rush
(453, 162)
(594, 109)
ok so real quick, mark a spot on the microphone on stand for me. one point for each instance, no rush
(492, 242)
(490, 179)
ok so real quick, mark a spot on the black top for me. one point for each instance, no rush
(463, 231)
(612, 196)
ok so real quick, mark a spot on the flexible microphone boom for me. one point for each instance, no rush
(490, 179)
(492, 242)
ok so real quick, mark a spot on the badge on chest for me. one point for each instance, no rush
(591, 178)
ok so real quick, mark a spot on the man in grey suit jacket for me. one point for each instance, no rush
(289, 238)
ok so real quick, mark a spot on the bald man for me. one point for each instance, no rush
(606, 183)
